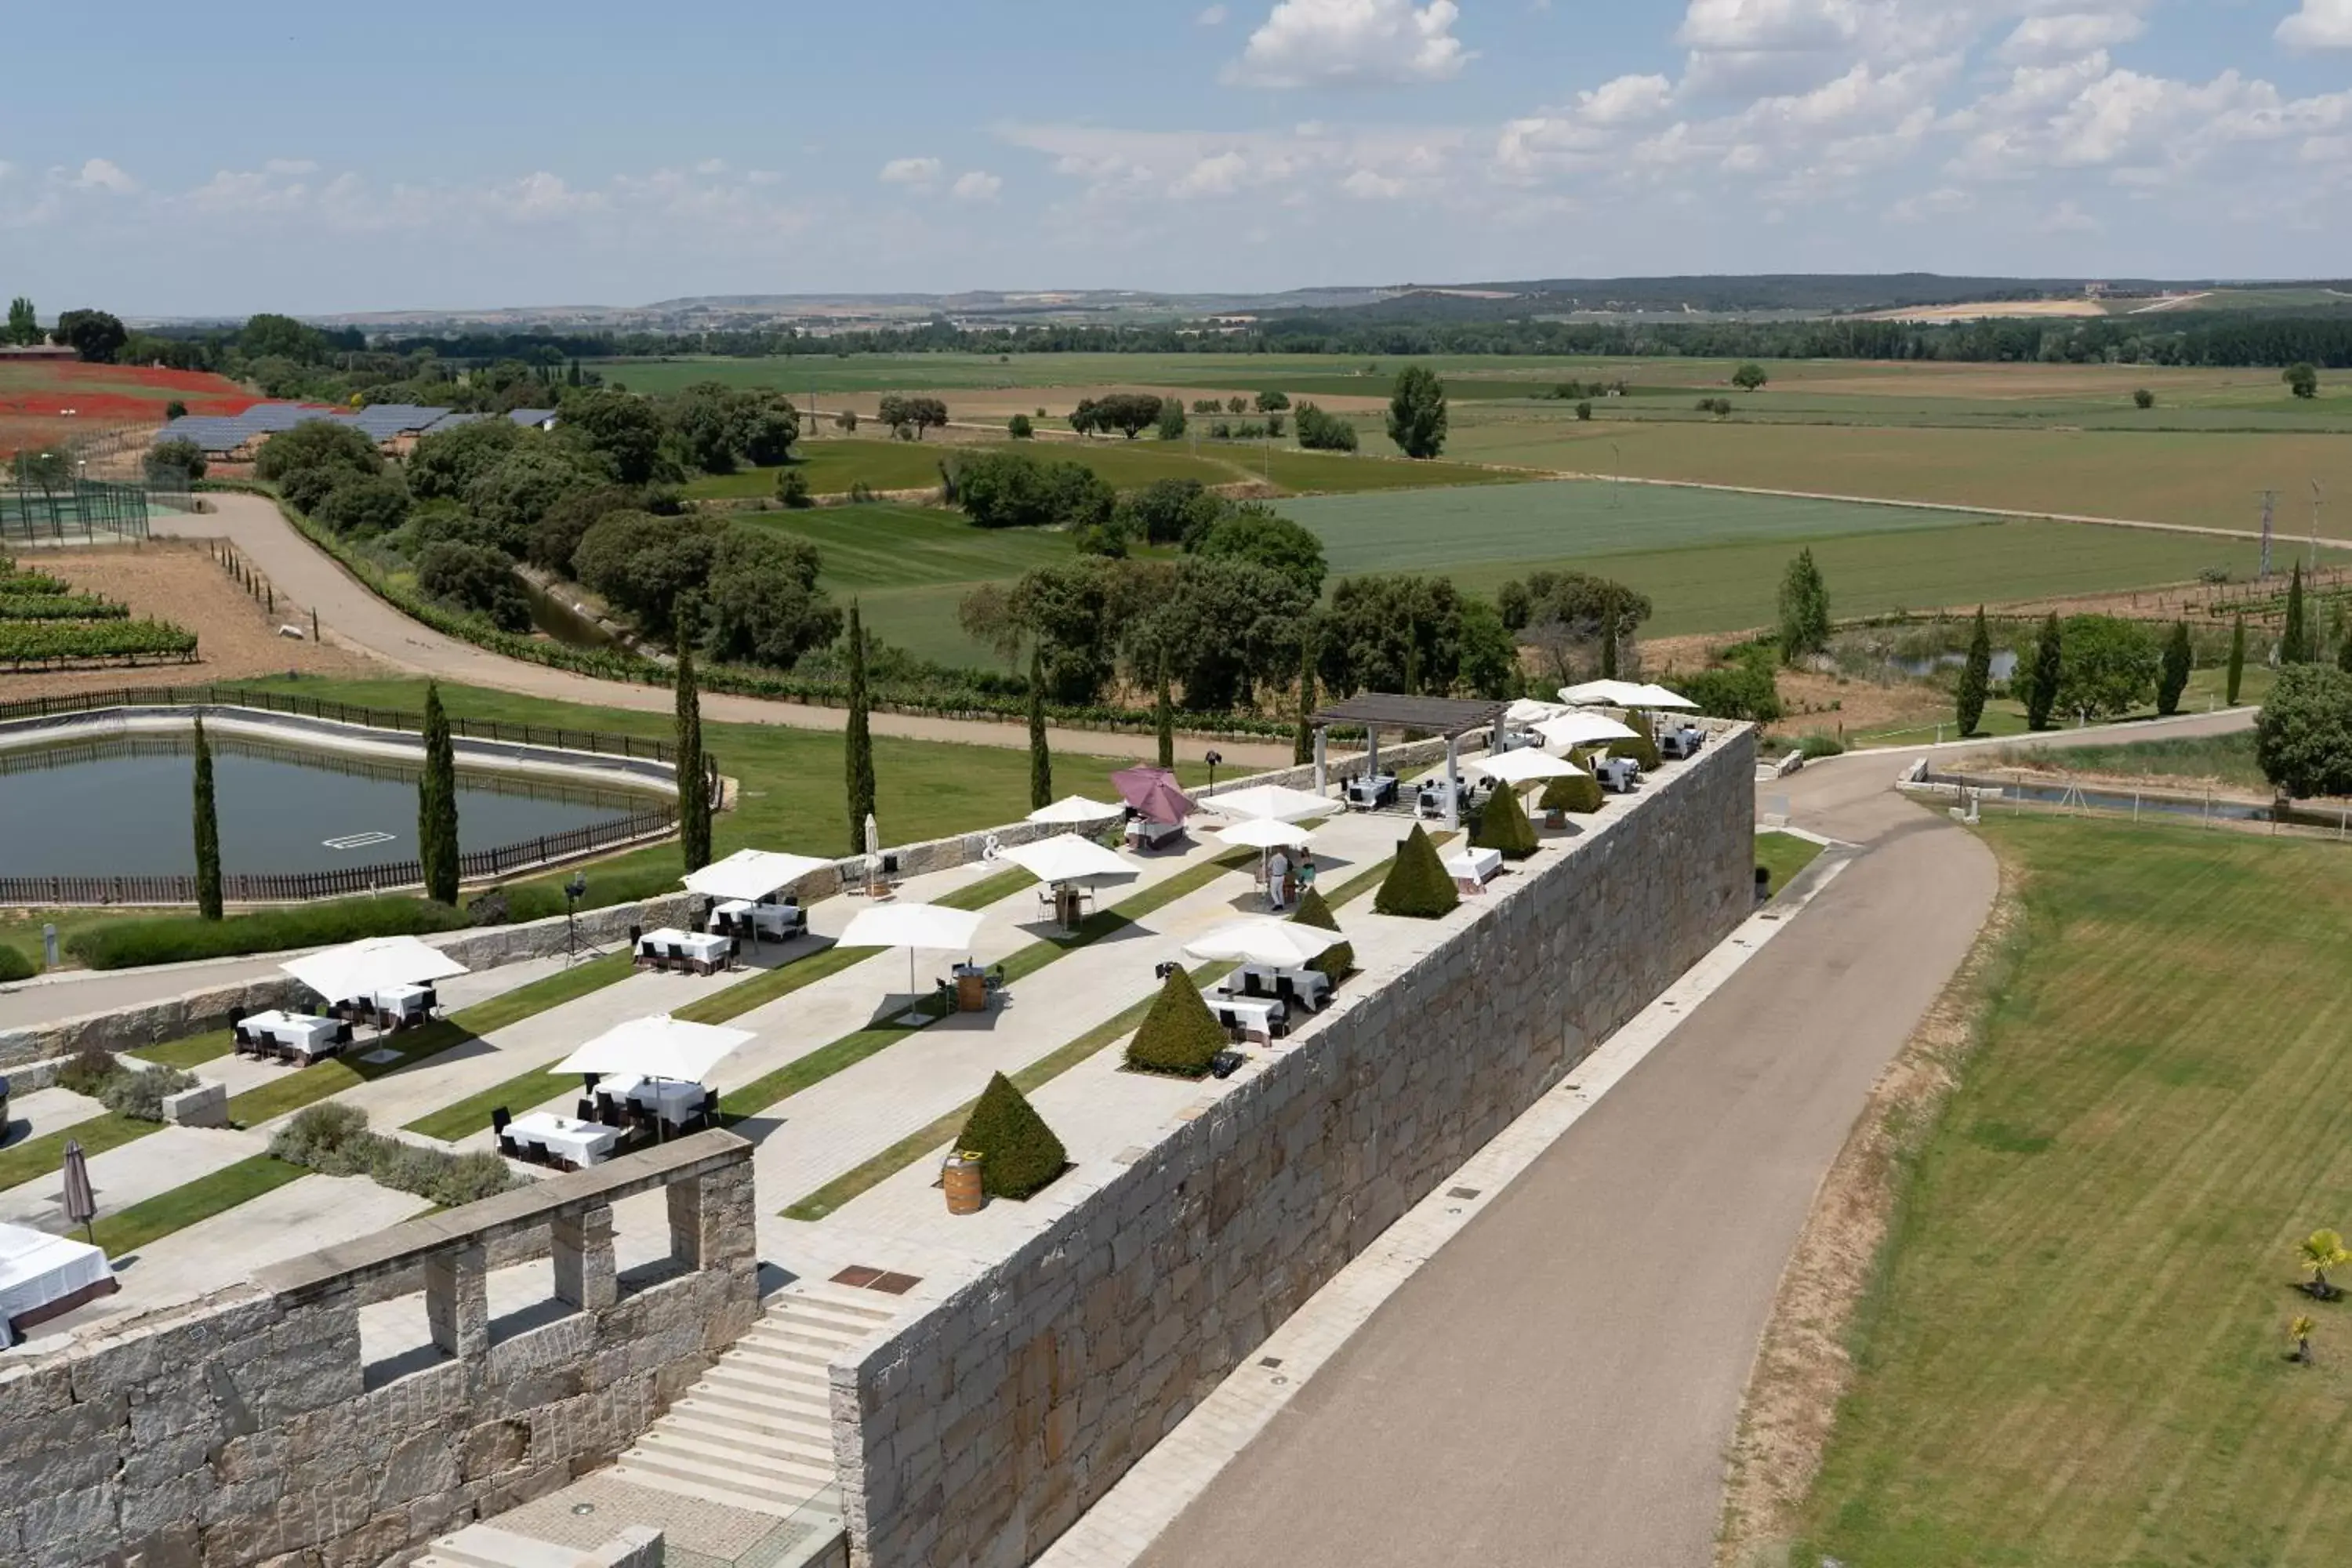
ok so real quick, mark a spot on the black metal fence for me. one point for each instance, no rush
(67, 512)
(291, 887)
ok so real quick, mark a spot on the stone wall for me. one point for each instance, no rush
(978, 1433)
(243, 1428)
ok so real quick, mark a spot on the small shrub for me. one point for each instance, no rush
(1019, 1153)
(1817, 745)
(792, 488)
(1333, 962)
(1504, 826)
(316, 1134)
(1019, 427)
(1582, 795)
(1418, 885)
(1641, 748)
(1584, 409)
(861, 493)
(140, 1094)
(89, 1070)
(15, 965)
(1179, 1035)
(334, 1140)
(2144, 398)
(469, 1178)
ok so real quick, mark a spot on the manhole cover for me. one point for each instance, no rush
(1461, 1192)
(1269, 1361)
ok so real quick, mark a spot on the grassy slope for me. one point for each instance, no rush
(2074, 1353)
(1784, 855)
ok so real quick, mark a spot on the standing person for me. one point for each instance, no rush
(1278, 877)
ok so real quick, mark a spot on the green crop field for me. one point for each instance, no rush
(2073, 1353)
(893, 546)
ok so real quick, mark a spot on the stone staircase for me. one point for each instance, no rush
(757, 1431)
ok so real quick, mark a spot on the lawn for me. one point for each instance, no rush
(1783, 855)
(893, 546)
(2073, 1352)
(2006, 716)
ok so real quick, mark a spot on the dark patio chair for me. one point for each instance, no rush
(501, 1118)
(679, 962)
(709, 1107)
(343, 1036)
(432, 999)
(509, 1147)
(585, 1111)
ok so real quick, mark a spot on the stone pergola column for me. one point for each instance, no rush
(713, 1219)
(457, 1303)
(585, 1275)
(1453, 782)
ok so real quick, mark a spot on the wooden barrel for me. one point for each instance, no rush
(960, 1178)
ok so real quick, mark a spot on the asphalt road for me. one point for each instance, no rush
(353, 615)
(1559, 1385)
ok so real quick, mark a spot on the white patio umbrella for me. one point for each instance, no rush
(751, 874)
(1266, 833)
(1526, 711)
(1066, 858)
(1654, 696)
(1583, 730)
(930, 927)
(1523, 767)
(1280, 944)
(364, 967)
(1603, 694)
(1074, 808)
(658, 1046)
(1277, 802)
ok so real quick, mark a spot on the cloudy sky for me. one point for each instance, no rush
(431, 154)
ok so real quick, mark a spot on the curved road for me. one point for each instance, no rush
(1558, 1386)
(351, 614)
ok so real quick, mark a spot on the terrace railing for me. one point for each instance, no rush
(294, 886)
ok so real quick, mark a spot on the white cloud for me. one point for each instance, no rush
(1923, 206)
(2070, 36)
(100, 174)
(2068, 217)
(1367, 185)
(910, 171)
(1329, 43)
(2320, 25)
(979, 186)
(1745, 26)
(1213, 16)
(1627, 100)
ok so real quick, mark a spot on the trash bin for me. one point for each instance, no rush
(959, 1176)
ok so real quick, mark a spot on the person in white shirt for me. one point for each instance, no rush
(1277, 879)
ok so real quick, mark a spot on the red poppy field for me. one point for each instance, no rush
(42, 401)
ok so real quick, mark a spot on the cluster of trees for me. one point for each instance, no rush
(1013, 490)
(1127, 413)
(1575, 620)
(1321, 432)
(909, 418)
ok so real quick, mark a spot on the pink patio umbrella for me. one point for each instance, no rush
(1153, 791)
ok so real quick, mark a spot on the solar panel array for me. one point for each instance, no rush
(379, 422)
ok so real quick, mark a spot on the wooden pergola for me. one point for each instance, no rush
(1377, 711)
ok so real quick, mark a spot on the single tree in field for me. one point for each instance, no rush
(1417, 413)
(2173, 679)
(2319, 1252)
(1804, 609)
(1164, 717)
(2143, 398)
(2303, 736)
(1019, 427)
(2302, 380)
(23, 326)
(2298, 1337)
(437, 802)
(2295, 638)
(1976, 676)
(2237, 661)
(1040, 761)
(2042, 681)
(1748, 378)
(209, 864)
(859, 760)
(1302, 746)
(693, 780)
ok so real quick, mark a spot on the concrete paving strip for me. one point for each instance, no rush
(133, 1172)
(1148, 1498)
(47, 1110)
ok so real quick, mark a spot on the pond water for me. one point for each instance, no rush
(560, 621)
(122, 806)
(2004, 664)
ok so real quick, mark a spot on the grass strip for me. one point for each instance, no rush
(33, 1156)
(1784, 855)
(987, 891)
(814, 1068)
(192, 1202)
(782, 981)
(554, 990)
(307, 1086)
(873, 1171)
(194, 1051)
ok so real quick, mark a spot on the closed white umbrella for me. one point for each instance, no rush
(930, 927)
(1278, 803)
(1278, 944)
(1583, 730)
(751, 874)
(1265, 833)
(1523, 767)
(1066, 858)
(658, 1046)
(1074, 808)
(1603, 694)
(1659, 697)
(1527, 711)
(364, 967)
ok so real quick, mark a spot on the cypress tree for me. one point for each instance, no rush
(2237, 660)
(859, 744)
(1040, 761)
(208, 866)
(2294, 641)
(2173, 679)
(1976, 676)
(1804, 609)
(1165, 717)
(436, 803)
(2041, 683)
(693, 779)
(1302, 746)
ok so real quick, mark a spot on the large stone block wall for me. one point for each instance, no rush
(242, 1429)
(976, 1434)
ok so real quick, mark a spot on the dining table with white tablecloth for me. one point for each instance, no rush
(778, 920)
(43, 1275)
(1259, 1017)
(674, 1100)
(305, 1035)
(699, 946)
(581, 1143)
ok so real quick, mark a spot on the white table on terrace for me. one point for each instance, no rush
(1473, 867)
(1684, 741)
(581, 1143)
(674, 1100)
(1371, 792)
(1617, 773)
(42, 1276)
(1145, 835)
(308, 1036)
(769, 919)
(406, 1002)
(1255, 981)
(1258, 1017)
(697, 945)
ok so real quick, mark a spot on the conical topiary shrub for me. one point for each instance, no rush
(1504, 826)
(1580, 794)
(1019, 1153)
(1641, 748)
(1417, 884)
(1179, 1035)
(1335, 960)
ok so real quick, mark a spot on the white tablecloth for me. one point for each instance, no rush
(1619, 773)
(1310, 983)
(1257, 1015)
(1152, 834)
(773, 920)
(37, 1269)
(695, 944)
(312, 1036)
(400, 1001)
(673, 1100)
(1474, 865)
(581, 1143)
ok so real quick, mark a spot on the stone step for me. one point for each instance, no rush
(761, 1404)
(730, 1428)
(835, 1307)
(486, 1546)
(781, 1357)
(726, 1461)
(784, 1383)
(795, 1329)
(778, 1504)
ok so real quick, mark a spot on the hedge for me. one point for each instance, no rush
(1179, 1035)
(1504, 826)
(1641, 748)
(175, 939)
(15, 965)
(333, 1140)
(1418, 886)
(133, 1092)
(1580, 794)
(60, 607)
(1337, 960)
(1019, 1153)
